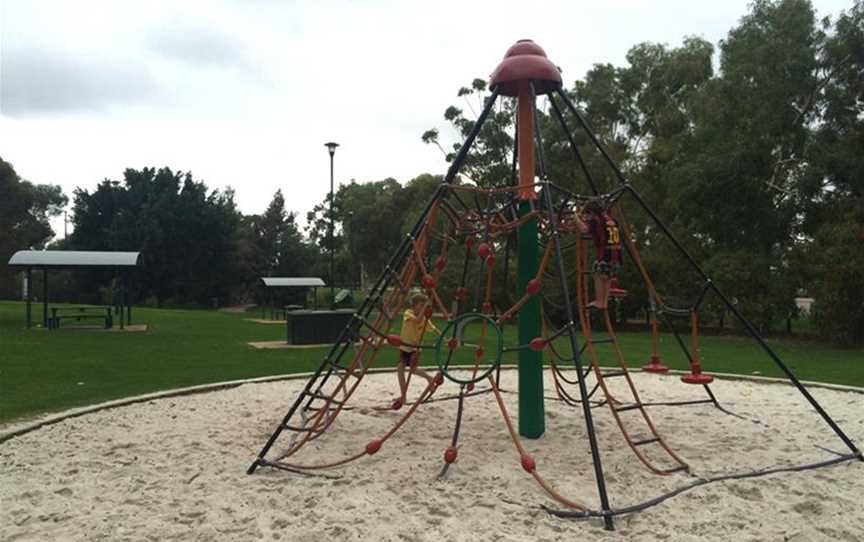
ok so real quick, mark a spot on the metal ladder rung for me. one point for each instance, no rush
(341, 371)
(296, 429)
(634, 406)
(645, 441)
(610, 374)
(315, 395)
(678, 469)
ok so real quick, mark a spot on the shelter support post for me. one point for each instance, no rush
(28, 294)
(122, 303)
(45, 298)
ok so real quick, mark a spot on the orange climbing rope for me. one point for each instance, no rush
(375, 445)
(526, 460)
(616, 407)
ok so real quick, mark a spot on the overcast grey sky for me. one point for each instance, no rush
(245, 93)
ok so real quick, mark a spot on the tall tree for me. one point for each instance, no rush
(25, 211)
(488, 162)
(185, 232)
(831, 234)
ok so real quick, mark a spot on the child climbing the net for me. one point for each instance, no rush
(606, 235)
(415, 322)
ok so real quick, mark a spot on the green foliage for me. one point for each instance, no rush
(745, 164)
(835, 258)
(186, 234)
(754, 164)
(371, 220)
(25, 210)
(488, 162)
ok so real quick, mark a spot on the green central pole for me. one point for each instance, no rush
(532, 423)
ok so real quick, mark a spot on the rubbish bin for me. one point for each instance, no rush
(316, 327)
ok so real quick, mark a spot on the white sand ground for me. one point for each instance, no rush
(174, 469)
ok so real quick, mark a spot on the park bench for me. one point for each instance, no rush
(78, 314)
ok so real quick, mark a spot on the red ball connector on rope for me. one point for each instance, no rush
(533, 287)
(450, 455)
(373, 447)
(537, 344)
(428, 281)
(528, 463)
(483, 251)
(394, 340)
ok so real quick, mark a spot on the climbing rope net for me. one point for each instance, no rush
(458, 253)
(457, 256)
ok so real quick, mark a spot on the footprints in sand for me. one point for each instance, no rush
(747, 491)
(809, 507)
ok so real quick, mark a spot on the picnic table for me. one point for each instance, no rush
(78, 314)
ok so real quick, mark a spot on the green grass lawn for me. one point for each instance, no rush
(42, 371)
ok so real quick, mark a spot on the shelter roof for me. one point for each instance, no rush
(59, 259)
(279, 282)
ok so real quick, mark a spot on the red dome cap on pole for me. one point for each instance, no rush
(525, 61)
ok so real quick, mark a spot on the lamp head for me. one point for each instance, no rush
(331, 147)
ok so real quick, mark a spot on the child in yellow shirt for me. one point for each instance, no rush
(414, 324)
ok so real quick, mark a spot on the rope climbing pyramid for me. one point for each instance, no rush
(458, 255)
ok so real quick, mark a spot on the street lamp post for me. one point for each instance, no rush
(331, 148)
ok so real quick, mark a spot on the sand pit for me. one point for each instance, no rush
(174, 469)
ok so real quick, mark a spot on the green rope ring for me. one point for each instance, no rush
(443, 351)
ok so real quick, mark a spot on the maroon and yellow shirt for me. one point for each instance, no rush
(606, 234)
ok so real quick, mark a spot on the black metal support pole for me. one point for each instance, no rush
(750, 328)
(380, 285)
(332, 286)
(574, 345)
(702, 295)
(377, 290)
(591, 135)
(678, 339)
(334, 355)
(466, 146)
(573, 146)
